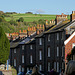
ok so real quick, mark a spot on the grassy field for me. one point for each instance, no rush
(30, 17)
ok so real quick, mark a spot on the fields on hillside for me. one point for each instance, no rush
(30, 17)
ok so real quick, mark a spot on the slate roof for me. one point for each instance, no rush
(14, 44)
(57, 28)
(25, 40)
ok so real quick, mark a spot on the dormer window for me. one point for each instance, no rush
(15, 50)
(40, 41)
(49, 37)
(23, 47)
(31, 47)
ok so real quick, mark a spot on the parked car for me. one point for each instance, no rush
(29, 72)
(21, 73)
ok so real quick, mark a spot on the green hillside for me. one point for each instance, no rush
(30, 17)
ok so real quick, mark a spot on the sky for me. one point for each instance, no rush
(38, 6)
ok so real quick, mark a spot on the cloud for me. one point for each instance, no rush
(40, 11)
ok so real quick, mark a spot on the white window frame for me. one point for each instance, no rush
(48, 66)
(40, 41)
(22, 47)
(40, 55)
(57, 66)
(22, 58)
(15, 62)
(31, 47)
(31, 59)
(48, 51)
(48, 37)
(40, 67)
(57, 36)
(22, 69)
(15, 50)
(57, 51)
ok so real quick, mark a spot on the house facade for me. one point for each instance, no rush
(46, 50)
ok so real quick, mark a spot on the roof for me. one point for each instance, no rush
(66, 41)
(25, 40)
(14, 44)
(31, 41)
(56, 28)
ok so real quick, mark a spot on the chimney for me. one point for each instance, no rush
(27, 33)
(19, 31)
(72, 16)
(23, 31)
(43, 27)
(50, 22)
(40, 26)
(28, 28)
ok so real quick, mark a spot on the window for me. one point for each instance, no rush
(22, 58)
(57, 51)
(14, 62)
(19, 68)
(23, 47)
(49, 37)
(62, 35)
(31, 47)
(62, 51)
(57, 66)
(27, 69)
(40, 55)
(40, 41)
(48, 66)
(22, 69)
(40, 67)
(57, 36)
(73, 45)
(62, 65)
(31, 59)
(14, 50)
(48, 51)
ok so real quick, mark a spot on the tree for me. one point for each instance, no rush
(12, 22)
(4, 47)
(21, 19)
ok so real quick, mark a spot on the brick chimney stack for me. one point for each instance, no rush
(72, 16)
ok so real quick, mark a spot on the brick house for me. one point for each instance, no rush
(69, 44)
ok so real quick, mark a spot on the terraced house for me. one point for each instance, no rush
(46, 50)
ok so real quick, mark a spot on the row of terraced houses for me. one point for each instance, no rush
(46, 50)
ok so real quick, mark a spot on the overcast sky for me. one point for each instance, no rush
(38, 6)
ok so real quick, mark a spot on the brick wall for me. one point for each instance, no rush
(68, 46)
